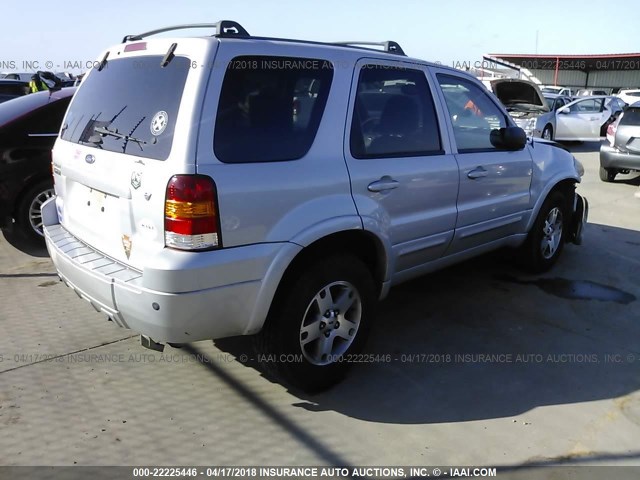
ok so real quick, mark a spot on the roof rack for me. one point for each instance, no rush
(389, 46)
(229, 28)
(224, 28)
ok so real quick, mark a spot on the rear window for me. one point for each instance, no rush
(270, 108)
(129, 107)
(631, 117)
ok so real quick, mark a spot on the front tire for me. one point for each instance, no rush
(547, 133)
(28, 214)
(608, 174)
(546, 239)
(320, 317)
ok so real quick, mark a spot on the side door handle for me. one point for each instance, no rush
(385, 183)
(477, 173)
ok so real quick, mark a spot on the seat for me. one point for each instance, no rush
(398, 126)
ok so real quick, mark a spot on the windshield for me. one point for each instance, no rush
(129, 107)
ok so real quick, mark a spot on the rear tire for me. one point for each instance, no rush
(608, 174)
(28, 214)
(320, 317)
(546, 239)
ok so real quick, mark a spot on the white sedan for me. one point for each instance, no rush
(579, 120)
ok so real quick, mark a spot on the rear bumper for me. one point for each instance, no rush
(120, 292)
(612, 158)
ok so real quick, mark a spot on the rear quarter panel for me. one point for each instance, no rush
(286, 201)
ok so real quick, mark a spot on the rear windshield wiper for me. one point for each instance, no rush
(104, 131)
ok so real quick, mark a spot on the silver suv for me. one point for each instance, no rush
(198, 196)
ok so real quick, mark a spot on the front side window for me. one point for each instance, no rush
(270, 108)
(473, 114)
(593, 105)
(394, 114)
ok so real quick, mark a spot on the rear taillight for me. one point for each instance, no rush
(191, 213)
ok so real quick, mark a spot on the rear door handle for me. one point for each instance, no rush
(477, 173)
(385, 183)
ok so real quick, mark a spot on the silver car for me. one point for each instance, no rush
(583, 119)
(208, 204)
(622, 154)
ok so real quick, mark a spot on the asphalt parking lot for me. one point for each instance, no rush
(489, 366)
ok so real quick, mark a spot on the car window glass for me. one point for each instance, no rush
(592, 105)
(473, 114)
(270, 108)
(394, 114)
(631, 117)
(107, 108)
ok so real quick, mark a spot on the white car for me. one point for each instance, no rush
(629, 96)
(564, 91)
(580, 120)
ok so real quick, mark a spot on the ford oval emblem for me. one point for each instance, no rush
(90, 159)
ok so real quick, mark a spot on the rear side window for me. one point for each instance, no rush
(270, 108)
(129, 107)
(394, 115)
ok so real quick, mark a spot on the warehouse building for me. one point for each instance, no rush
(609, 72)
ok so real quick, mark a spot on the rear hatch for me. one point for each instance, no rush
(128, 130)
(627, 135)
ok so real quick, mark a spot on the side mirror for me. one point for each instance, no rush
(563, 110)
(509, 138)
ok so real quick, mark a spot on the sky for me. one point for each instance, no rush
(60, 35)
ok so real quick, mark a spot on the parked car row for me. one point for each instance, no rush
(553, 116)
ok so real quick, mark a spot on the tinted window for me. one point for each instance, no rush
(631, 117)
(133, 96)
(270, 108)
(13, 88)
(394, 115)
(473, 114)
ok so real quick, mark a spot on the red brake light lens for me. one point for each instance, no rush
(191, 213)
